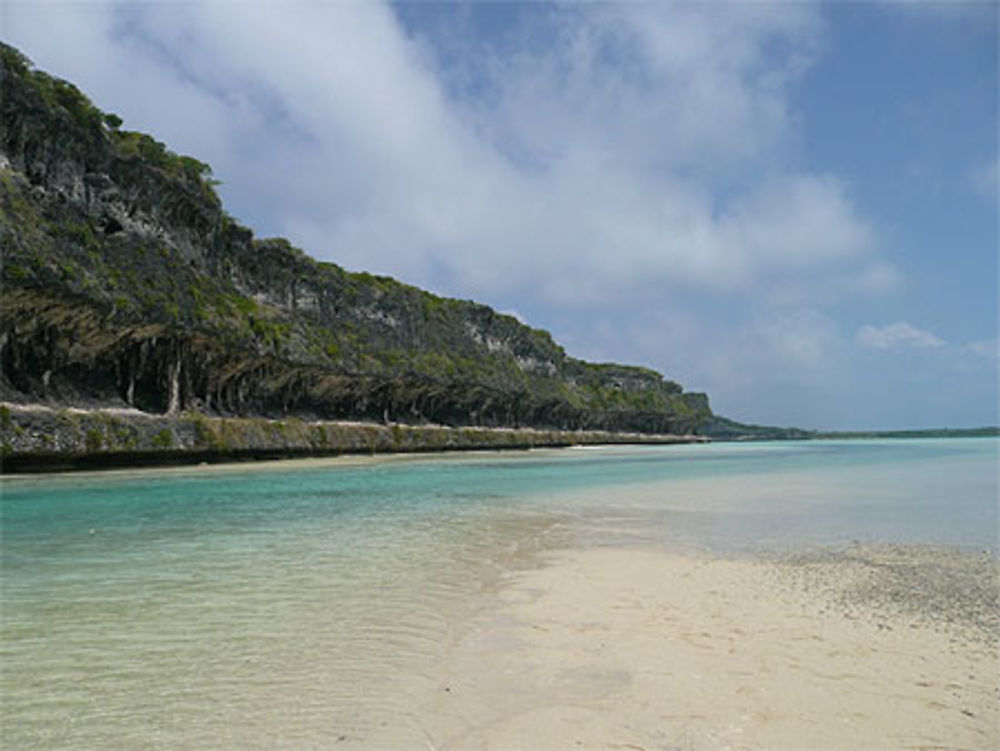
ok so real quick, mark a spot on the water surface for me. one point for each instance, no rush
(294, 608)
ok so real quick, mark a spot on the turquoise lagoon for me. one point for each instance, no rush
(310, 606)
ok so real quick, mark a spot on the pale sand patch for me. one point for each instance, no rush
(267, 465)
(624, 649)
(210, 468)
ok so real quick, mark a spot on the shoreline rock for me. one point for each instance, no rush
(40, 438)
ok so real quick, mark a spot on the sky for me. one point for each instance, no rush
(791, 206)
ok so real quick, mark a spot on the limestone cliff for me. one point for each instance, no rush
(126, 283)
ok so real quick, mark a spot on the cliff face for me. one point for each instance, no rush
(126, 283)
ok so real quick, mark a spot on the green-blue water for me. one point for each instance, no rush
(307, 607)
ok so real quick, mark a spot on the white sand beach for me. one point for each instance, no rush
(624, 649)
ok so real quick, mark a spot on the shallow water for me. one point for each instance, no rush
(278, 608)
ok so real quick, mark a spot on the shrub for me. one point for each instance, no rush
(163, 439)
(93, 440)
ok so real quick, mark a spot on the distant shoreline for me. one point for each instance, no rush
(984, 432)
(720, 428)
(37, 438)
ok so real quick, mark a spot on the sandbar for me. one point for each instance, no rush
(861, 647)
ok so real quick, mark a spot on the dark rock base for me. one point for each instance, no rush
(45, 439)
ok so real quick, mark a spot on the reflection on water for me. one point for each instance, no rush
(270, 609)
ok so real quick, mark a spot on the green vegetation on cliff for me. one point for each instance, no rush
(125, 282)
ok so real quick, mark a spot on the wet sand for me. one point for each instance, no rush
(865, 647)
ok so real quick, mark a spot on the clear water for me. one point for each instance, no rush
(309, 608)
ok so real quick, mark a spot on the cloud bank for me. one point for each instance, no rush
(897, 336)
(589, 155)
(630, 175)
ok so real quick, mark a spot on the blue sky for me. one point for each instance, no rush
(791, 206)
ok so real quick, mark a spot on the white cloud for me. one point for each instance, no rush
(621, 149)
(897, 336)
(788, 367)
(803, 339)
(877, 278)
(798, 221)
(989, 348)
